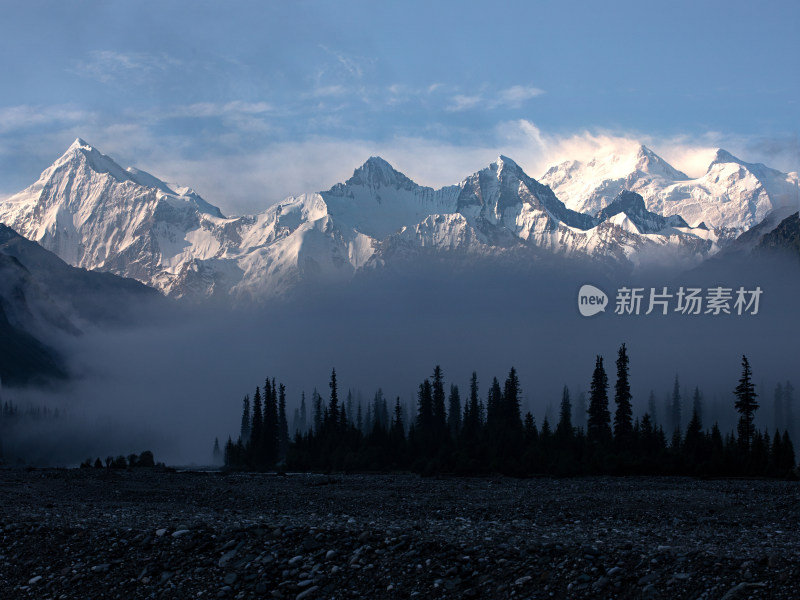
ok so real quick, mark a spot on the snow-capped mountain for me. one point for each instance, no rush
(732, 194)
(94, 214)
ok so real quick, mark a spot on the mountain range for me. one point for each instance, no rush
(626, 211)
(732, 194)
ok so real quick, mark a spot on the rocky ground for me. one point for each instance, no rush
(137, 534)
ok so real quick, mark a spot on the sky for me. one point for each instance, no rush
(249, 102)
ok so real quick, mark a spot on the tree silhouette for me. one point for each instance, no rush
(598, 428)
(623, 417)
(746, 405)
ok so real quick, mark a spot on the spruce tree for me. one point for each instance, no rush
(454, 412)
(512, 419)
(598, 428)
(270, 432)
(425, 423)
(746, 405)
(333, 404)
(316, 402)
(623, 417)
(697, 406)
(494, 410)
(564, 427)
(283, 425)
(778, 410)
(439, 413)
(244, 431)
(302, 426)
(258, 422)
(676, 406)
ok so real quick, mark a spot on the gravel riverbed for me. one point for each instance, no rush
(93, 534)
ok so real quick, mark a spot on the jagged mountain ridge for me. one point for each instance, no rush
(731, 196)
(94, 214)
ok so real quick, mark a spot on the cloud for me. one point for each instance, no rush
(516, 95)
(461, 102)
(211, 109)
(352, 65)
(512, 97)
(108, 66)
(14, 118)
(329, 90)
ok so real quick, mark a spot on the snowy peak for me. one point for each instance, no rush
(500, 193)
(724, 157)
(377, 173)
(82, 155)
(651, 163)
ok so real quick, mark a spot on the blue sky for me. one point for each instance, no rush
(248, 102)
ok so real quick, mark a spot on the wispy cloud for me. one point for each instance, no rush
(14, 118)
(512, 97)
(326, 91)
(108, 66)
(351, 64)
(516, 95)
(461, 102)
(213, 109)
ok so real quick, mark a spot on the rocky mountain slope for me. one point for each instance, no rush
(43, 300)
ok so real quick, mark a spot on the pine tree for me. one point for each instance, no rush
(283, 425)
(512, 419)
(454, 412)
(746, 405)
(676, 406)
(697, 407)
(258, 421)
(439, 414)
(270, 433)
(564, 427)
(244, 432)
(494, 410)
(425, 422)
(316, 402)
(530, 430)
(623, 417)
(693, 441)
(302, 425)
(472, 416)
(333, 404)
(599, 421)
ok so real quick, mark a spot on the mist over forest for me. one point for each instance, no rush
(175, 382)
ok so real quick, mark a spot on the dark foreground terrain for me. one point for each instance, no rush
(121, 534)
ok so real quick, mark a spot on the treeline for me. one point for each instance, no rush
(264, 435)
(477, 436)
(143, 460)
